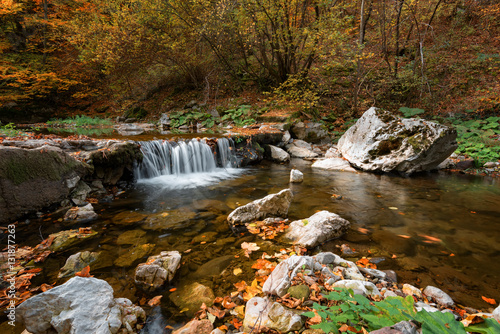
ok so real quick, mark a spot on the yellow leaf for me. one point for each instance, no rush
(237, 271)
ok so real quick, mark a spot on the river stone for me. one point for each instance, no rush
(256, 311)
(380, 141)
(410, 290)
(277, 154)
(296, 176)
(132, 237)
(65, 239)
(279, 281)
(441, 297)
(299, 291)
(114, 160)
(169, 220)
(318, 228)
(367, 288)
(77, 262)
(82, 305)
(496, 313)
(133, 254)
(300, 152)
(214, 267)
(274, 205)
(335, 164)
(128, 218)
(333, 152)
(283, 319)
(310, 132)
(157, 270)
(42, 175)
(210, 205)
(195, 326)
(81, 214)
(207, 237)
(80, 193)
(190, 297)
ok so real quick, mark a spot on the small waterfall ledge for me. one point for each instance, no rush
(170, 158)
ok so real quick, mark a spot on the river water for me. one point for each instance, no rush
(434, 229)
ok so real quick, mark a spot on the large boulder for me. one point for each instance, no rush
(82, 305)
(274, 205)
(261, 313)
(44, 176)
(300, 149)
(113, 161)
(318, 228)
(382, 142)
(310, 132)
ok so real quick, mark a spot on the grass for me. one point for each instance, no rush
(80, 121)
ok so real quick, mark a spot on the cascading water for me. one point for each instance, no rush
(185, 164)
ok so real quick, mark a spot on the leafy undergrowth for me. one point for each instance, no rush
(80, 121)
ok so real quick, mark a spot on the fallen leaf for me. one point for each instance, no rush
(237, 271)
(84, 273)
(472, 320)
(489, 300)
(172, 290)
(249, 247)
(393, 208)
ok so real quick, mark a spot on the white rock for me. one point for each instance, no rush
(256, 311)
(286, 137)
(419, 306)
(81, 305)
(333, 152)
(280, 279)
(318, 228)
(274, 205)
(368, 288)
(277, 154)
(496, 313)
(441, 297)
(296, 176)
(380, 141)
(333, 164)
(83, 213)
(283, 319)
(410, 290)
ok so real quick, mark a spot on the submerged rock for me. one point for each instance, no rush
(132, 237)
(128, 218)
(274, 205)
(318, 228)
(169, 220)
(77, 262)
(65, 239)
(380, 141)
(133, 254)
(82, 305)
(190, 297)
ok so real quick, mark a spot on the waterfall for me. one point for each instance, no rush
(165, 158)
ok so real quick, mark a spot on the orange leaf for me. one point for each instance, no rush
(172, 290)
(236, 323)
(85, 272)
(489, 300)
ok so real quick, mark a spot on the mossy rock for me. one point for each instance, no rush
(66, 239)
(133, 237)
(169, 220)
(189, 298)
(134, 254)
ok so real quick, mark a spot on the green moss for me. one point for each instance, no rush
(35, 164)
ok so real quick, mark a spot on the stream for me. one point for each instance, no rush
(433, 229)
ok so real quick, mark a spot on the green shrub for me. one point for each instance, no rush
(80, 121)
(240, 116)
